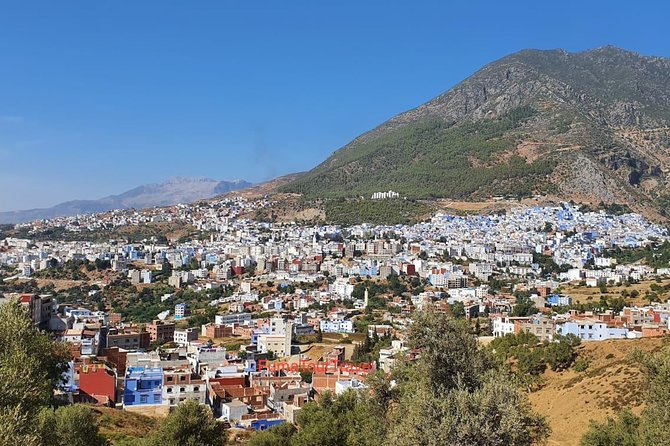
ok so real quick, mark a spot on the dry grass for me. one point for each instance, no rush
(570, 400)
(121, 426)
(584, 294)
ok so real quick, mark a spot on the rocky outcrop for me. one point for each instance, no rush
(583, 100)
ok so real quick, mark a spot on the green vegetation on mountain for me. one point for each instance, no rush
(389, 212)
(429, 159)
(592, 126)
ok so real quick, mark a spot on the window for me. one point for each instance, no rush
(143, 399)
(196, 389)
(182, 378)
(169, 390)
(182, 389)
(170, 378)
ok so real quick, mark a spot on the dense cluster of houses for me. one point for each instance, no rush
(314, 272)
(114, 364)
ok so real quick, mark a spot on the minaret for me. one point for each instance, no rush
(366, 298)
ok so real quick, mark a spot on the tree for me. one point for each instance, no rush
(70, 426)
(456, 394)
(450, 353)
(524, 306)
(31, 364)
(275, 436)
(16, 428)
(655, 420)
(622, 431)
(189, 425)
(458, 310)
(561, 353)
(652, 428)
(31, 368)
(494, 414)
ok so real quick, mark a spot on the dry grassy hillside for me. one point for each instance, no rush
(571, 399)
(122, 427)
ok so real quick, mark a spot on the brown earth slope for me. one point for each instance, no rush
(570, 400)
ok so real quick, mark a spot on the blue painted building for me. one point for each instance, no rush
(560, 300)
(261, 425)
(143, 386)
(368, 271)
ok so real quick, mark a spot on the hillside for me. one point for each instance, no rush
(173, 191)
(592, 126)
(570, 399)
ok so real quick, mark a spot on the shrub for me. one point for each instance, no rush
(581, 365)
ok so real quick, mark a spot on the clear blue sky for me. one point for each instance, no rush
(97, 97)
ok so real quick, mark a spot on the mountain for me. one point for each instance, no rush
(591, 126)
(173, 191)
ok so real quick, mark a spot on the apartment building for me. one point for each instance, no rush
(161, 331)
(180, 385)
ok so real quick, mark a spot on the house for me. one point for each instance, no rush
(181, 311)
(262, 421)
(387, 356)
(216, 330)
(542, 327)
(161, 331)
(336, 326)
(97, 384)
(591, 330)
(144, 386)
(291, 409)
(232, 318)
(286, 391)
(344, 385)
(254, 397)
(185, 336)
(503, 325)
(558, 300)
(129, 340)
(234, 410)
(40, 307)
(180, 385)
(276, 337)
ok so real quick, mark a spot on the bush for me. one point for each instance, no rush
(581, 365)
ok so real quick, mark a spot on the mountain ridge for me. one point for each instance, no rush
(172, 191)
(591, 125)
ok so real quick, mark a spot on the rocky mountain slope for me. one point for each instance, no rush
(591, 126)
(173, 191)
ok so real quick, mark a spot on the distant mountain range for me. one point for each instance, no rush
(173, 191)
(591, 126)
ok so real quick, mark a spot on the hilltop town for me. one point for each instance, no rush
(212, 317)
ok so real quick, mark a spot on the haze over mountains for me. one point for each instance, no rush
(590, 126)
(174, 190)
